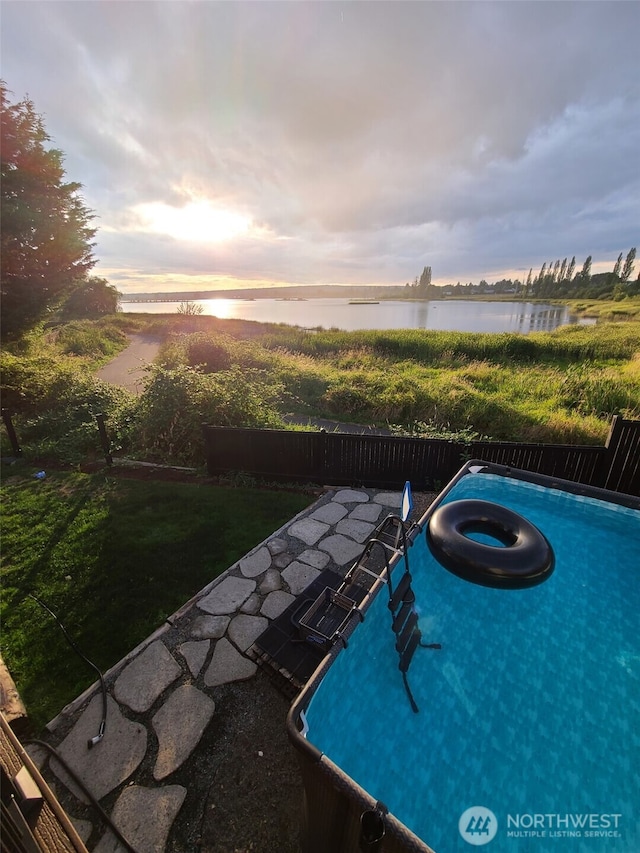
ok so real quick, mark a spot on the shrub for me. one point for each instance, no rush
(212, 352)
(433, 429)
(190, 309)
(177, 401)
(54, 402)
(82, 337)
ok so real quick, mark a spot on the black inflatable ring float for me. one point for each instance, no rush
(524, 558)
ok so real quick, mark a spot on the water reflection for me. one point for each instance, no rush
(454, 315)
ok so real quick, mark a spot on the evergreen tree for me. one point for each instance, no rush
(94, 299)
(571, 268)
(563, 271)
(617, 267)
(585, 272)
(46, 235)
(425, 282)
(628, 265)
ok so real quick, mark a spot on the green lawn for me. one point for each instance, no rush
(112, 558)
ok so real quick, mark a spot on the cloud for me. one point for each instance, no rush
(361, 140)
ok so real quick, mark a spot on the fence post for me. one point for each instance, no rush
(13, 438)
(320, 441)
(617, 422)
(611, 446)
(622, 472)
(104, 439)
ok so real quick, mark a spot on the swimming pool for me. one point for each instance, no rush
(528, 735)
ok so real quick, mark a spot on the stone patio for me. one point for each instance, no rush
(162, 697)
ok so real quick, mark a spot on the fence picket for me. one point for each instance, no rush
(387, 461)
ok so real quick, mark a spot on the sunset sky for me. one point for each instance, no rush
(233, 144)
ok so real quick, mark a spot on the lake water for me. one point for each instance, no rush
(461, 316)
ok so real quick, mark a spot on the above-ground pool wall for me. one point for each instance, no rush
(332, 814)
(333, 804)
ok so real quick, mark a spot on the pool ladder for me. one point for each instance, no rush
(391, 538)
(402, 602)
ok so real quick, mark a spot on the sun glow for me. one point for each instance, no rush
(197, 221)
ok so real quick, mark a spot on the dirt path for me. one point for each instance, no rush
(127, 368)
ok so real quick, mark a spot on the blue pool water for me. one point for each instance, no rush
(529, 714)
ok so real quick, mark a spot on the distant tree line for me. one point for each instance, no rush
(555, 280)
(560, 279)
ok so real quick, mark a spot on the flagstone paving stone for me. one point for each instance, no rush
(256, 564)
(298, 576)
(281, 561)
(144, 679)
(276, 603)
(227, 664)
(252, 604)
(366, 512)
(112, 760)
(393, 499)
(330, 513)
(277, 546)
(350, 496)
(210, 627)
(195, 653)
(271, 582)
(244, 630)
(317, 559)
(145, 817)
(342, 549)
(179, 725)
(308, 530)
(354, 529)
(228, 596)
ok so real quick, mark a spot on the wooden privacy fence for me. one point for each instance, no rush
(387, 462)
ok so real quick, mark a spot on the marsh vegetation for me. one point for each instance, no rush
(560, 386)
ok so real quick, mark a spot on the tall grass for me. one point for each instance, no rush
(505, 386)
(562, 386)
(566, 344)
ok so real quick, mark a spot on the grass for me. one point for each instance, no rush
(505, 386)
(605, 309)
(552, 387)
(112, 557)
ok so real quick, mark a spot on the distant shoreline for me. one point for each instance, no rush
(333, 291)
(295, 292)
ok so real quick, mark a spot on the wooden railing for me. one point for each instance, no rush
(387, 462)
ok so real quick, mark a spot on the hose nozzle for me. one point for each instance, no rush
(94, 740)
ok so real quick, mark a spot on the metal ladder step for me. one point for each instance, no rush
(401, 616)
(407, 654)
(403, 592)
(407, 632)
